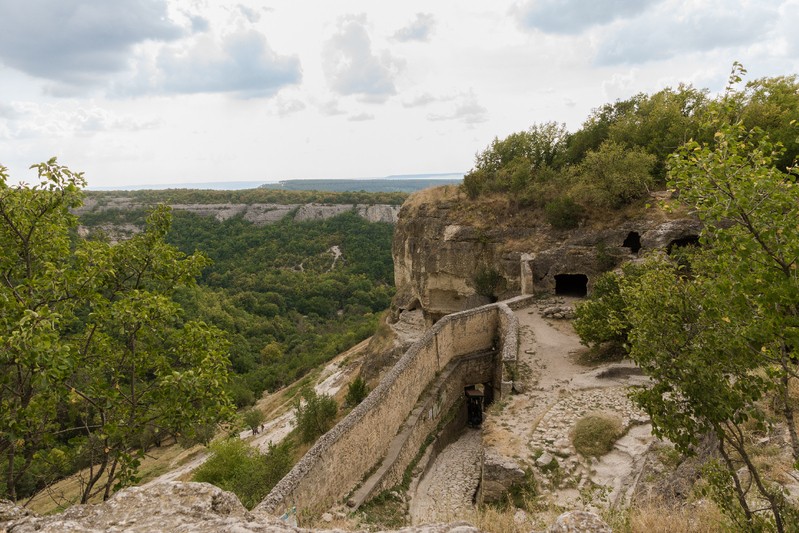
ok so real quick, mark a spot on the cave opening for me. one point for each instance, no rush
(682, 242)
(633, 242)
(571, 285)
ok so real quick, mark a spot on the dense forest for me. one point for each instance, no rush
(285, 299)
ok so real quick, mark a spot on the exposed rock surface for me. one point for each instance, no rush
(499, 474)
(444, 241)
(257, 213)
(167, 507)
(579, 522)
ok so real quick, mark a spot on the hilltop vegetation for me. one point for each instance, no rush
(621, 151)
(96, 361)
(278, 291)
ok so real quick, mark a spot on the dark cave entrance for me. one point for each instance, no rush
(682, 242)
(571, 285)
(633, 242)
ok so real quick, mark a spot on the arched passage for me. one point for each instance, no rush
(633, 242)
(571, 285)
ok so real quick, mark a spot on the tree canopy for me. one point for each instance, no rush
(717, 330)
(95, 353)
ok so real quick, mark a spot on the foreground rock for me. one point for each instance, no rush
(193, 507)
(173, 507)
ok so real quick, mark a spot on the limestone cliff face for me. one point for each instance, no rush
(259, 213)
(451, 253)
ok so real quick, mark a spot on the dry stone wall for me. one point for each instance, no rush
(341, 458)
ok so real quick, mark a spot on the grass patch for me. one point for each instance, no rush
(594, 434)
(387, 510)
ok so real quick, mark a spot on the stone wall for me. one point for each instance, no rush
(341, 458)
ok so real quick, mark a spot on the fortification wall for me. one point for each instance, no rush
(342, 457)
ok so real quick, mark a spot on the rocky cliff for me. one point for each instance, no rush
(452, 253)
(257, 213)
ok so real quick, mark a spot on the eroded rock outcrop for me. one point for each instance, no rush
(167, 507)
(258, 214)
(451, 253)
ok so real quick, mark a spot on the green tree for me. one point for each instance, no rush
(89, 331)
(602, 319)
(253, 418)
(614, 175)
(243, 470)
(717, 330)
(38, 278)
(315, 415)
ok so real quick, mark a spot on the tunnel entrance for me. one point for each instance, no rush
(682, 242)
(633, 242)
(571, 285)
(475, 402)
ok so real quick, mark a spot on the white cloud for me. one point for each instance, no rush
(330, 108)
(420, 100)
(352, 68)
(78, 43)
(468, 110)
(361, 117)
(31, 120)
(241, 63)
(681, 27)
(575, 16)
(289, 107)
(419, 29)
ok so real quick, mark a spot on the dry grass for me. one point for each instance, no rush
(595, 433)
(67, 491)
(657, 517)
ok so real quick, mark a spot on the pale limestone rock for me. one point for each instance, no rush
(172, 507)
(579, 522)
(499, 473)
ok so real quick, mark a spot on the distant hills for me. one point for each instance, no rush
(394, 183)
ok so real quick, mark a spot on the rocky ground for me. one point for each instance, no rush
(531, 429)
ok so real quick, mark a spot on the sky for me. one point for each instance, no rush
(135, 92)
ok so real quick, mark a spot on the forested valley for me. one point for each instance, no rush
(110, 348)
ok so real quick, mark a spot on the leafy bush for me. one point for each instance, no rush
(245, 471)
(315, 415)
(357, 391)
(486, 282)
(594, 434)
(563, 213)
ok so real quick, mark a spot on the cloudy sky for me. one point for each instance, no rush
(171, 91)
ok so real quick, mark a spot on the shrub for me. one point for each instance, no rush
(563, 213)
(357, 391)
(245, 471)
(486, 282)
(315, 415)
(594, 434)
